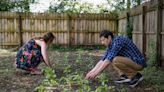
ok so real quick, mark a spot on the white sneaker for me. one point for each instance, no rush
(123, 79)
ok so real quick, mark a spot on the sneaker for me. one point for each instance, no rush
(134, 82)
(123, 79)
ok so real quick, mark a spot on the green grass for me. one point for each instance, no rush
(153, 75)
(155, 78)
(75, 48)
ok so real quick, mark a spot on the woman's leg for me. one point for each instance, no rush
(14, 64)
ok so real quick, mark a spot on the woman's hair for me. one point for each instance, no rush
(106, 33)
(48, 37)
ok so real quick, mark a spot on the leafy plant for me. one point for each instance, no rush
(67, 69)
(153, 75)
(151, 54)
(103, 88)
(72, 80)
(16, 5)
(49, 81)
(79, 59)
(103, 79)
(66, 57)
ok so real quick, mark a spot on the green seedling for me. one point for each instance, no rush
(49, 81)
(103, 88)
(67, 69)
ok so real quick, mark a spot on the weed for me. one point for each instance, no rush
(153, 75)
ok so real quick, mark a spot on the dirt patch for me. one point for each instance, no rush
(13, 80)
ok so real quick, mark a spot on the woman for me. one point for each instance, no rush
(33, 52)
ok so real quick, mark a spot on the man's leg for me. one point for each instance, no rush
(126, 66)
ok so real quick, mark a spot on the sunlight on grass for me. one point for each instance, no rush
(4, 52)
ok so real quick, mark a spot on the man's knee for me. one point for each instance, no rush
(116, 60)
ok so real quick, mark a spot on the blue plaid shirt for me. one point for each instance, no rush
(123, 46)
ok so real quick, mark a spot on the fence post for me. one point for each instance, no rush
(128, 26)
(20, 29)
(117, 26)
(69, 29)
(78, 29)
(143, 31)
(159, 30)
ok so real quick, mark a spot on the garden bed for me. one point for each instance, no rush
(67, 75)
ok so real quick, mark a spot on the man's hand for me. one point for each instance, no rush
(100, 66)
(91, 75)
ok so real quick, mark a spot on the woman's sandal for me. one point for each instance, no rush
(35, 71)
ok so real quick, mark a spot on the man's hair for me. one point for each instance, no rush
(106, 33)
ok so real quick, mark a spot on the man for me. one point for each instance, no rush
(125, 57)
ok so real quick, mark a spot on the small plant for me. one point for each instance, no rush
(49, 73)
(103, 79)
(152, 74)
(67, 69)
(40, 88)
(75, 82)
(79, 58)
(103, 88)
(72, 77)
(66, 57)
(49, 81)
(151, 54)
(112, 88)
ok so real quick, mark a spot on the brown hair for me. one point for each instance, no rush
(48, 37)
(106, 33)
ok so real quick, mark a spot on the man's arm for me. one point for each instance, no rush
(97, 66)
(100, 66)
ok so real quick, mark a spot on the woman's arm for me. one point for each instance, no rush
(44, 52)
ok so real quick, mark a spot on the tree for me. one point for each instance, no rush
(16, 5)
(73, 6)
(121, 5)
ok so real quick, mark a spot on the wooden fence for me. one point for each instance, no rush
(148, 25)
(69, 29)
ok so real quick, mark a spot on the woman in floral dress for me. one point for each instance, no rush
(31, 54)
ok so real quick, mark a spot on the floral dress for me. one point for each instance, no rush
(29, 56)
